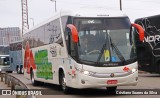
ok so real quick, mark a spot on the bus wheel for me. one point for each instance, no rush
(17, 69)
(111, 90)
(63, 84)
(34, 82)
(21, 69)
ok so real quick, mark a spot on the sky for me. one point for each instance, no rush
(41, 10)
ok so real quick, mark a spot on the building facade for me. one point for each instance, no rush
(9, 35)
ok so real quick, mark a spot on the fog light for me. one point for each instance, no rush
(82, 81)
(136, 78)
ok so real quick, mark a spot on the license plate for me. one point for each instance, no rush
(112, 82)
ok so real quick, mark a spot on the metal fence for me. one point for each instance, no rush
(15, 85)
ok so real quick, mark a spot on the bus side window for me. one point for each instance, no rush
(71, 45)
(68, 34)
(11, 60)
(73, 53)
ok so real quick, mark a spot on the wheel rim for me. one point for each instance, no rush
(32, 78)
(22, 70)
(18, 70)
(63, 83)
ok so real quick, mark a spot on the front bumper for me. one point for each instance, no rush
(85, 81)
(5, 69)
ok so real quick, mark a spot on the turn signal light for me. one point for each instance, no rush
(126, 69)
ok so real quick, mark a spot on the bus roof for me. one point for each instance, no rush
(150, 17)
(4, 55)
(83, 13)
(92, 13)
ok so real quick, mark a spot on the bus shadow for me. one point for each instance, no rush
(92, 93)
(149, 75)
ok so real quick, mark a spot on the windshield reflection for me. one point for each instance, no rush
(95, 36)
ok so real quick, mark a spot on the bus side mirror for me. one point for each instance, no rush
(73, 32)
(140, 30)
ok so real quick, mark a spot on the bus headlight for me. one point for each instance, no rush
(88, 73)
(134, 70)
(85, 72)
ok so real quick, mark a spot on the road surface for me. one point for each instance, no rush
(146, 81)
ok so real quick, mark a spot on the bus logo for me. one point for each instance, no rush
(90, 21)
(53, 51)
(152, 38)
(112, 75)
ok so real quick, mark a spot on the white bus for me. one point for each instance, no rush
(54, 52)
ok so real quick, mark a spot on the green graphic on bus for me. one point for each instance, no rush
(44, 68)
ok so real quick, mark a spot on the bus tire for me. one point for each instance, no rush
(17, 69)
(112, 90)
(33, 81)
(21, 69)
(63, 85)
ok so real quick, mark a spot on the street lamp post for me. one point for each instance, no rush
(55, 4)
(120, 2)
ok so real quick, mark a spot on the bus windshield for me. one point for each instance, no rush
(104, 39)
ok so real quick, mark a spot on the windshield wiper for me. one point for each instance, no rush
(120, 56)
(100, 55)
